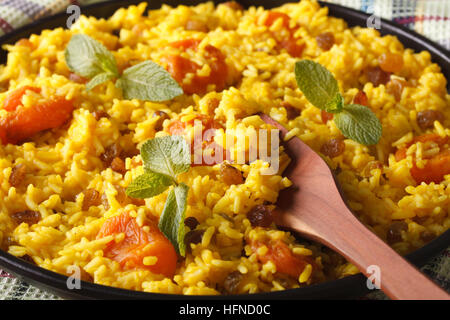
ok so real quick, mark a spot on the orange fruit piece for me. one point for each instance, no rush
(22, 123)
(138, 244)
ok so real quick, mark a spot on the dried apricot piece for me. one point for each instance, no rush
(139, 242)
(23, 123)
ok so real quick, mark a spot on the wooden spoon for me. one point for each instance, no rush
(315, 208)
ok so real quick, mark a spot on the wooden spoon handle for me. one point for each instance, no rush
(374, 258)
(399, 279)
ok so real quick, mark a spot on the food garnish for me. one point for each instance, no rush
(355, 121)
(165, 158)
(436, 167)
(147, 80)
(142, 247)
(21, 123)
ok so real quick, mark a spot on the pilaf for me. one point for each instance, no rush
(64, 170)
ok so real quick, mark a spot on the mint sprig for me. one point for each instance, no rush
(90, 59)
(355, 121)
(165, 158)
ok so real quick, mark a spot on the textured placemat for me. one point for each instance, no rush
(428, 17)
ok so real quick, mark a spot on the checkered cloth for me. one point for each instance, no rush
(428, 17)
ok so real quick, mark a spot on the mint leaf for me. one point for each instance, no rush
(317, 84)
(336, 104)
(148, 185)
(99, 79)
(164, 158)
(321, 89)
(148, 81)
(88, 57)
(145, 81)
(359, 123)
(169, 155)
(171, 222)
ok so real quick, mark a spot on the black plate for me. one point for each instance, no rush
(349, 287)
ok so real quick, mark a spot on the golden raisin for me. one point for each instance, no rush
(394, 233)
(260, 216)
(28, 216)
(7, 242)
(420, 220)
(112, 151)
(162, 116)
(333, 148)
(191, 223)
(130, 153)
(194, 237)
(395, 87)
(427, 236)
(232, 282)
(325, 40)
(17, 175)
(121, 196)
(230, 175)
(286, 281)
(118, 165)
(195, 25)
(391, 62)
(91, 198)
(116, 32)
(426, 118)
(366, 172)
(291, 112)
(377, 76)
